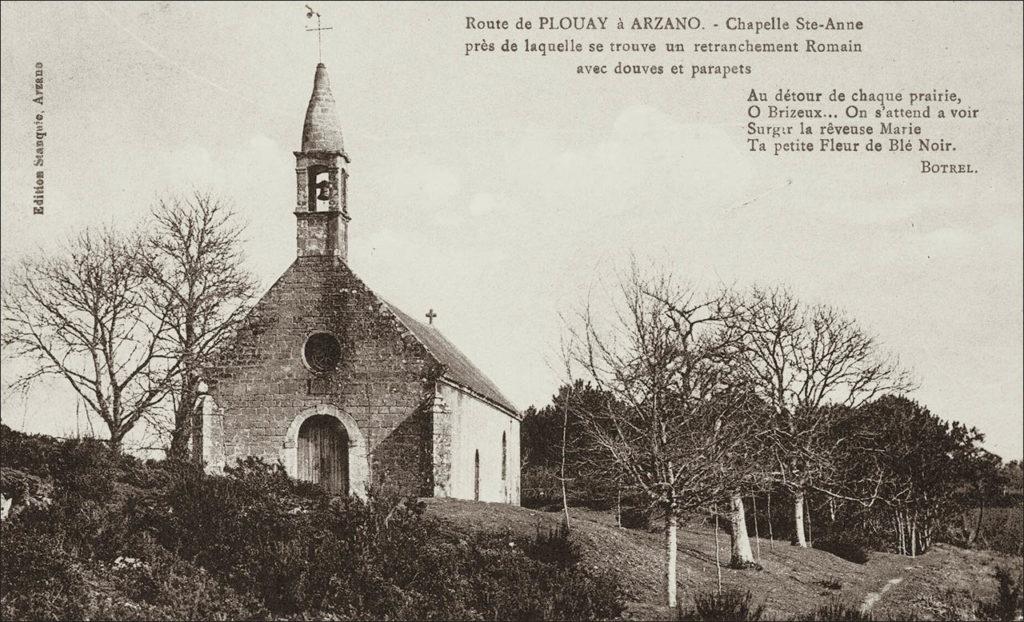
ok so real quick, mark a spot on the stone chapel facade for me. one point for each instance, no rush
(342, 387)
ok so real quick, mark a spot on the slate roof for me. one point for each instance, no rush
(457, 367)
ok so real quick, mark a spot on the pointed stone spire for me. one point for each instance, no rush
(321, 178)
(321, 131)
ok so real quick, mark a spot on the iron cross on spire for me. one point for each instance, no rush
(430, 316)
(318, 30)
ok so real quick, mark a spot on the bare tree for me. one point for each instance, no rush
(672, 426)
(88, 315)
(195, 264)
(803, 359)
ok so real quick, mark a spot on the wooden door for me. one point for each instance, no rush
(323, 453)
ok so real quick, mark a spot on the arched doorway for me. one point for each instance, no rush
(323, 453)
(357, 469)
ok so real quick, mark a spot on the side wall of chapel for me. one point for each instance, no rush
(476, 426)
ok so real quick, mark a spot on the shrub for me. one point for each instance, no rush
(250, 528)
(847, 548)
(1009, 601)
(42, 578)
(1002, 529)
(955, 604)
(728, 606)
(126, 539)
(19, 484)
(540, 579)
(638, 518)
(164, 587)
(301, 552)
(552, 546)
(540, 486)
(39, 577)
(27, 452)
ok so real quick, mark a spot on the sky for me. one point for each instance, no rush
(497, 189)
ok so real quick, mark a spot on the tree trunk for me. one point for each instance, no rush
(180, 437)
(718, 555)
(757, 534)
(913, 535)
(182, 432)
(741, 556)
(565, 495)
(117, 434)
(899, 530)
(807, 515)
(618, 506)
(977, 525)
(671, 522)
(798, 518)
(188, 396)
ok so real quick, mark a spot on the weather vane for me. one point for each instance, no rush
(319, 38)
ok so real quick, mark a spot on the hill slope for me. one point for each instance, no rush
(792, 581)
(97, 535)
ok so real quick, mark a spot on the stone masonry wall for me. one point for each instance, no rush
(384, 379)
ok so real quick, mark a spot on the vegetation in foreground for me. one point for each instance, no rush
(99, 535)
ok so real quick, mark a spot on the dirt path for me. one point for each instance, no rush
(874, 597)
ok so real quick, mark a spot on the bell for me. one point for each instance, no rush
(324, 189)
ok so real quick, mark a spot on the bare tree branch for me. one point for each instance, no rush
(85, 315)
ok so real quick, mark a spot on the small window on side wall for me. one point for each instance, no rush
(476, 476)
(504, 457)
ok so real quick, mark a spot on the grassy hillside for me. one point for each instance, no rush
(943, 584)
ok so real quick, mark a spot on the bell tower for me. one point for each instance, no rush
(321, 174)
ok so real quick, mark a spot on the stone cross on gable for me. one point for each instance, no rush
(430, 316)
(318, 30)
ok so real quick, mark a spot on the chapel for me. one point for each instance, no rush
(340, 386)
